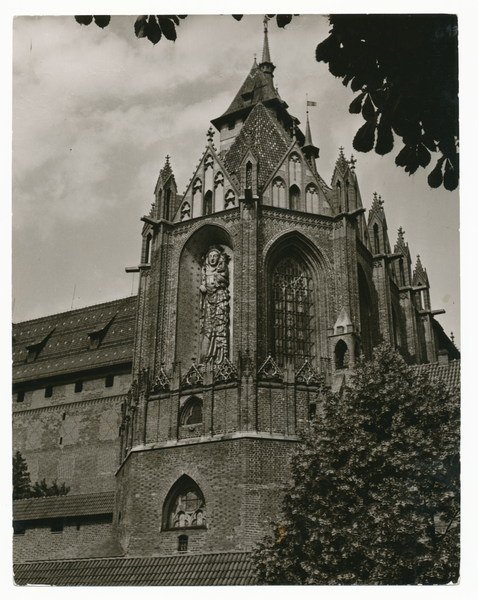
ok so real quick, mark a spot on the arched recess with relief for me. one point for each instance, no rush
(205, 299)
(296, 302)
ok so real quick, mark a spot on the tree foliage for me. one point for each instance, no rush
(21, 477)
(374, 497)
(404, 69)
(22, 487)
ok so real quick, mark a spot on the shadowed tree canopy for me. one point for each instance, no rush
(404, 70)
(22, 487)
(374, 497)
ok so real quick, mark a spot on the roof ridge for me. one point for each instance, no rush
(107, 558)
(76, 310)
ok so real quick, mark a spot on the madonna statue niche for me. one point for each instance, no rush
(214, 315)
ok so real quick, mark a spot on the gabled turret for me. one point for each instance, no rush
(402, 267)
(377, 227)
(165, 194)
(422, 286)
(346, 195)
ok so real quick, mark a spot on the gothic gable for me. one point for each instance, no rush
(211, 189)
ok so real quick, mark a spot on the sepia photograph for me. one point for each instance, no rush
(236, 300)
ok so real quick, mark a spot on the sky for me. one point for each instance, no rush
(95, 112)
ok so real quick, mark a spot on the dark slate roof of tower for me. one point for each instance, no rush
(63, 506)
(67, 348)
(262, 134)
(257, 87)
(224, 568)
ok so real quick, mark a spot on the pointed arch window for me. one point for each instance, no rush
(341, 355)
(207, 208)
(192, 412)
(278, 193)
(311, 200)
(294, 169)
(249, 175)
(184, 506)
(376, 239)
(294, 198)
(167, 204)
(292, 311)
(402, 272)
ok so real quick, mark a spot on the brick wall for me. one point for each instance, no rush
(74, 439)
(40, 543)
(239, 478)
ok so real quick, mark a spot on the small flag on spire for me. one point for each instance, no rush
(310, 103)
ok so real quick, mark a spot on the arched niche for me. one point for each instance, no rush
(191, 300)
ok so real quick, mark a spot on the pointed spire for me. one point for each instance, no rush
(166, 171)
(266, 63)
(266, 55)
(419, 273)
(400, 244)
(310, 151)
(254, 64)
(341, 162)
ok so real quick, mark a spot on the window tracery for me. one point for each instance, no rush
(186, 507)
(292, 308)
(278, 193)
(192, 412)
(230, 199)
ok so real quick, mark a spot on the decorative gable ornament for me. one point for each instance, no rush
(161, 381)
(307, 374)
(270, 369)
(225, 371)
(194, 376)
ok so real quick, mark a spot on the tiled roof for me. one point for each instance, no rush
(263, 135)
(63, 506)
(226, 568)
(448, 373)
(67, 348)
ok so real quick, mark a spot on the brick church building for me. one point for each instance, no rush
(172, 414)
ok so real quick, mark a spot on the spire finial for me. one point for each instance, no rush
(352, 162)
(266, 55)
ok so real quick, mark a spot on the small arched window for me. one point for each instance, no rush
(311, 199)
(294, 198)
(167, 205)
(192, 412)
(184, 506)
(294, 169)
(376, 239)
(249, 175)
(341, 355)
(207, 209)
(278, 193)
